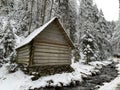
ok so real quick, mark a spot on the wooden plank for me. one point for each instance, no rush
(24, 48)
(24, 57)
(66, 35)
(23, 54)
(52, 32)
(24, 51)
(50, 55)
(50, 61)
(53, 39)
(52, 28)
(51, 47)
(51, 58)
(51, 51)
(44, 64)
(20, 55)
(21, 62)
(51, 36)
(39, 59)
(24, 61)
(50, 44)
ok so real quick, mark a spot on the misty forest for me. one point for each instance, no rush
(82, 53)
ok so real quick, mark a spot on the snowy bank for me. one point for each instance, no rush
(20, 81)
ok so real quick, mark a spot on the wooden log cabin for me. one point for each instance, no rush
(47, 48)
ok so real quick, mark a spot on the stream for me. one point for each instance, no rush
(107, 73)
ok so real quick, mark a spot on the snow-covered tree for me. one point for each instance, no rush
(78, 20)
(93, 26)
(88, 47)
(8, 43)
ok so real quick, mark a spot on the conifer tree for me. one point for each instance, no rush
(93, 26)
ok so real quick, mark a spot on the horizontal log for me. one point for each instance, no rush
(43, 64)
(49, 61)
(23, 57)
(51, 35)
(23, 51)
(23, 54)
(52, 28)
(50, 44)
(36, 50)
(53, 32)
(39, 54)
(24, 48)
(25, 60)
(22, 60)
(61, 59)
(51, 58)
(52, 47)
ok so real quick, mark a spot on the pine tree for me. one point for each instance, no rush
(93, 26)
(8, 41)
(9, 48)
(88, 47)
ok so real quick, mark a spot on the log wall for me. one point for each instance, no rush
(23, 54)
(51, 48)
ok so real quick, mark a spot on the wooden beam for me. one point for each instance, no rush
(47, 61)
(44, 64)
(51, 58)
(52, 48)
(51, 55)
(38, 50)
(51, 42)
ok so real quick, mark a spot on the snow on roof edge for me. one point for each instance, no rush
(30, 37)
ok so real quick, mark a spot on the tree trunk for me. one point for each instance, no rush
(31, 16)
(37, 15)
(52, 1)
(43, 12)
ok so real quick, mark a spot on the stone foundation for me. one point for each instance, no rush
(39, 71)
(50, 70)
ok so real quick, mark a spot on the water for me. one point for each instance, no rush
(107, 73)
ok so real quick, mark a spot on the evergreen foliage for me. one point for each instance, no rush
(93, 26)
(85, 25)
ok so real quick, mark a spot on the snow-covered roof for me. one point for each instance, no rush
(36, 32)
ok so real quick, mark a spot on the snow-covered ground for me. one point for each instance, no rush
(114, 83)
(20, 81)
